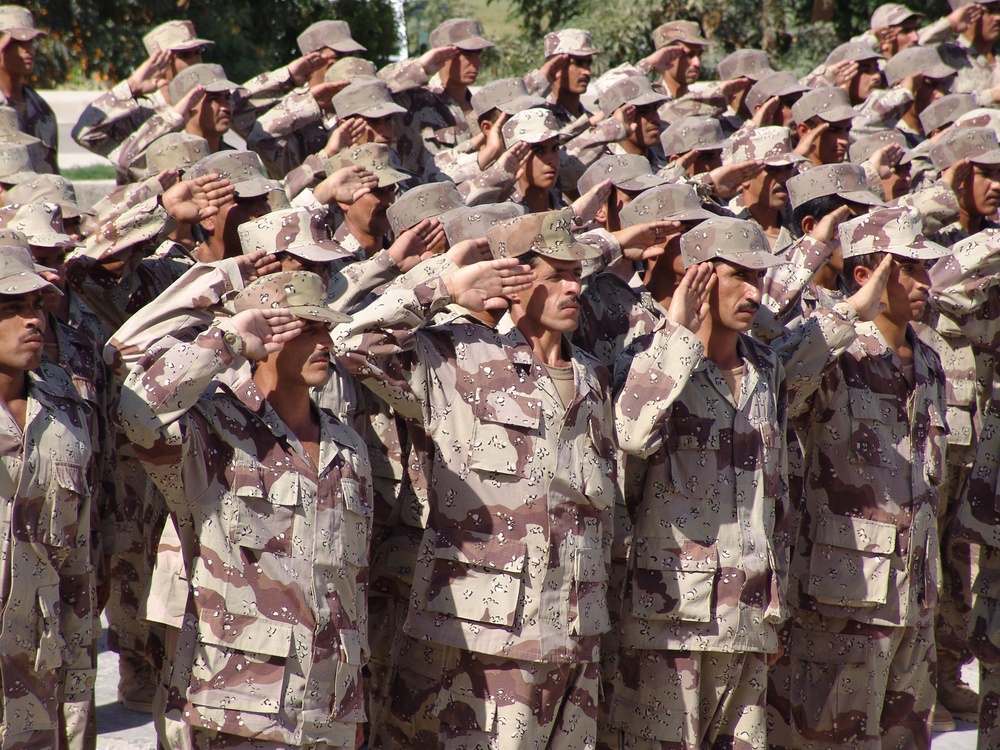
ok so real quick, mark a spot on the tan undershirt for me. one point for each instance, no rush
(908, 372)
(734, 379)
(563, 378)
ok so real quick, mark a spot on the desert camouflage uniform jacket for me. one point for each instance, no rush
(37, 118)
(514, 560)
(48, 624)
(276, 549)
(976, 78)
(874, 446)
(289, 132)
(709, 558)
(434, 122)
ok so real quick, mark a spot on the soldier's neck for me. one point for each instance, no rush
(910, 118)
(210, 250)
(370, 243)
(11, 85)
(568, 101)
(536, 198)
(630, 147)
(720, 344)
(546, 344)
(14, 393)
(981, 46)
(459, 92)
(971, 222)
(894, 334)
(762, 213)
(676, 88)
(291, 403)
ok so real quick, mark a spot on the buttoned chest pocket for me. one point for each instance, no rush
(851, 561)
(671, 582)
(52, 516)
(503, 439)
(355, 523)
(876, 429)
(693, 444)
(264, 516)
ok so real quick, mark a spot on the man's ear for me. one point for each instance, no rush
(801, 128)
(208, 225)
(861, 275)
(808, 224)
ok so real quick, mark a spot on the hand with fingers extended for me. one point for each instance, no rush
(189, 101)
(191, 201)
(645, 241)
(729, 178)
(585, 207)
(347, 132)
(552, 67)
(346, 186)
(867, 301)
(301, 69)
(965, 16)
(168, 178)
(843, 72)
(826, 228)
(494, 145)
(513, 159)
(661, 58)
(689, 305)
(808, 140)
(467, 252)
(625, 114)
(885, 159)
(434, 59)
(264, 332)
(414, 245)
(151, 74)
(768, 113)
(324, 92)
(957, 176)
(256, 264)
(483, 286)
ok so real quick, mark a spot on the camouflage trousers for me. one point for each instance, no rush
(843, 684)
(687, 700)
(444, 698)
(958, 562)
(47, 646)
(206, 740)
(984, 641)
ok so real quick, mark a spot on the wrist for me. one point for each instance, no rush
(847, 311)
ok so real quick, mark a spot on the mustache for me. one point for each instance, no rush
(748, 307)
(30, 333)
(319, 357)
(574, 300)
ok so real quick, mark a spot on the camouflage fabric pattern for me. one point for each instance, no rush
(173, 35)
(375, 158)
(781, 83)
(473, 222)
(423, 202)
(626, 171)
(15, 164)
(575, 42)
(692, 134)
(678, 31)
(664, 203)
(546, 233)
(335, 35)
(49, 188)
(301, 232)
(464, 33)
(635, 90)
(830, 104)
(771, 144)
(846, 180)
(175, 151)
(41, 223)
(37, 120)
(945, 111)
(978, 145)
(348, 68)
(895, 230)
(925, 61)
(509, 95)
(270, 663)
(740, 242)
(366, 99)
(744, 63)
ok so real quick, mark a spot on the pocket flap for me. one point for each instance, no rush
(71, 477)
(855, 533)
(693, 433)
(515, 409)
(665, 554)
(867, 405)
(484, 550)
(354, 499)
(245, 633)
(959, 426)
(247, 481)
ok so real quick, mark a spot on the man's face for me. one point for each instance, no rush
(305, 359)
(686, 68)
(866, 80)
(553, 301)
(983, 193)
(898, 183)
(647, 127)
(184, 58)
(234, 213)
(54, 258)
(768, 188)
(18, 57)
(988, 26)
(22, 332)
(291, 262)
(369, 211)
(705, 161)
(907, 35)
(907, 290)
(576, 76)
(464, 67)
(787, 119)
(735, 298)
(929, 90)
(379, 130)
(214, 113)
(831, 146)
(541, 169)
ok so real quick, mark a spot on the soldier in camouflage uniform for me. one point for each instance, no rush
(704, 593)
(629, 174)
(859, 661)
(823, 124)
(17, 58)
(507, 416)
(977, 41)
(980, 195)
(271, 652)
(48, 607)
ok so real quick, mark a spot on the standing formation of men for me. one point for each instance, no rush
(568, 411)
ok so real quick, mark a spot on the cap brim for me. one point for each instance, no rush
(216, 87)
(324, 314)
(863, 197)
(74, 211)
(24, 34)
(695, 214)
(987, 157)
(690, 40)
(520, 104)
(389, 176)
(381, 109)
(640, 182)
(756, 259)
(645, 99)
(318, 252)
(348, 45)
(17, 178)
(783, 160)
(939, 71)
(837, 114)
(473, 43)
(53, 239)
(451, 213)
(923, 249)
(25, 282)
(576, 251)
(19, 139)
(190, 44)
(255, 187)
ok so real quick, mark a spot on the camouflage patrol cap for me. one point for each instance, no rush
(209, 75)
(676, 202)
(472, 222)
(10, 129)
(978, 145)
(335, 35)
(509, 95)
(829, 103)
(888, 230)
(19, 23)
(744, 63)
(177, 36)
(403, 75)
(981, 117)
(41, 223)
(175, 151)
(372, 156)
(634, 90)
(725, 238)
(630, 172)
(853, 51)
(925, 61)
(846, 180)
(892, 14)
(49, 188)
(349, 68)
(431, 201)
(299, 231)
(15, 164)
(862, 149)
(692, 134)
(18, 272)
(687, 32)
(535, 125)
(771, 144)
(369, 99)
(302, 293)
(464, 33)
(945, 111)
(574, 42)
(242, 168)
(547, 233)
(781, 83)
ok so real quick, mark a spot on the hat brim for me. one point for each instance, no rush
(472, 44)
(75, 211)
(690, 40)
(254, 188)
(783, 160)
(863, 197)
(584, 52)
(25, 283)
(53, 239)
(754, 259)
(921, 249)
(380, 109)
(19, 139)
(987, 157)
(389, 176)
(17, 178)
(939, 71)
(317, 252)
(348, 45)
(217, 87)
(576, 251)
(323, 314)
(520, 104)
(24, 33)
(640, 182)
(190, 44)
(646, 99)
(545, 135)
(837, 114)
